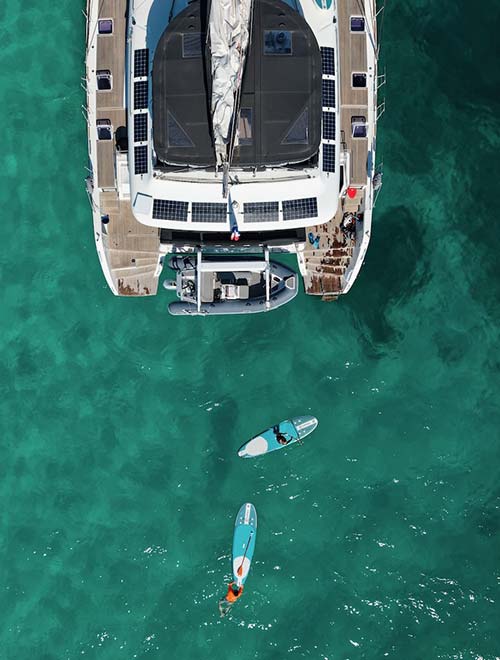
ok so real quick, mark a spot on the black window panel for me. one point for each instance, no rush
(105, 26)
(328, 61)
(261, 211)
(177, 136)
(140, 95)
(277, 42)
(298, 209)
(358, 124)
(328, 125)
(357, 24)
(359, 79)
(141, 160)
(328, 91)
(104, 133)
(299, 132)
(359, 132)
(328, 158)
(104, 84)
(170, 209)
(192, 44)
(208, 212)
(104, 80)
(245, 127)
(141, 127)
(141, 62)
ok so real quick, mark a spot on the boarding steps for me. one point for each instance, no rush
(135, 272)
(352, 205)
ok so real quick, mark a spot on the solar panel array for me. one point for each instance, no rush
(209, 212)
(328, 157)
(170, 209)
(297, 209)
(328, 89)
(328, 147)
(141, 100)
(141, 94)
(261, 211)
(141, 159)
(328, 61)
(328, 125)
(140, 127)
(141, 62)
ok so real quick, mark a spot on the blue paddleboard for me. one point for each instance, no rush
(245, 532)
(291, 429)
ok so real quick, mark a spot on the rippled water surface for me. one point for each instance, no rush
(119, 480)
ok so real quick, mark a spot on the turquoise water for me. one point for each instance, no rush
(119, 481)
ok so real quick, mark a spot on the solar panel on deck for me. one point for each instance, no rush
(170, 209)
(140, 95)
(261, 211)
(328, 158)
(141, 127)
(141, 160)
(209, 212)
(141, 59)
(328, 61)
(328, 91)
(297, 209)
(328, 125)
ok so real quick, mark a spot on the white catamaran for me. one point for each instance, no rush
(226, 132)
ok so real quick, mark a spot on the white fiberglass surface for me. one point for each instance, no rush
(257, 446)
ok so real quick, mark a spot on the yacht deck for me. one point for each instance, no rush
(325, 266)
(354, 102)
(132, 249)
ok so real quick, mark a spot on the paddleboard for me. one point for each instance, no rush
(293, 430)
(245, 532)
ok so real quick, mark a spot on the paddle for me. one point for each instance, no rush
(296, 437)
(240, 569)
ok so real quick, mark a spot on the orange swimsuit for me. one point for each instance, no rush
(231, 597)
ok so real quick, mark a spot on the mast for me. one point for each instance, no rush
(229, 37)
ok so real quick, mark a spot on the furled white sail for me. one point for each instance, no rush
(229, 34)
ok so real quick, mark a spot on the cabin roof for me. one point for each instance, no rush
(280, 119)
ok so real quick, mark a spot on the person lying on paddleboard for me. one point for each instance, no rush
(280, 437)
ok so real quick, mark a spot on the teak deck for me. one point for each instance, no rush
(132, 248)
(327, 264)
(354, 102)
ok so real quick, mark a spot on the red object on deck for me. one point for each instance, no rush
(351, 193)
